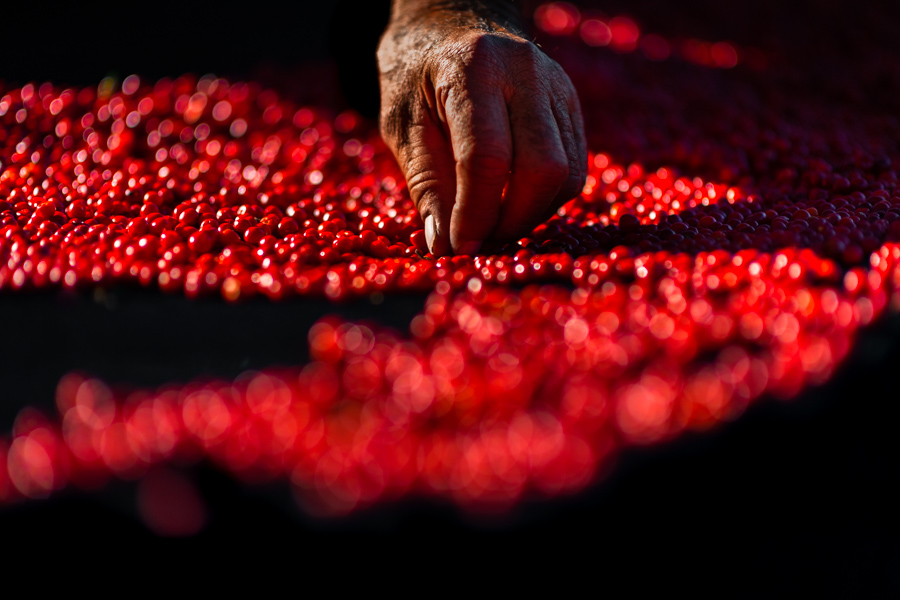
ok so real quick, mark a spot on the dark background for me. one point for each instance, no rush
(73, 43)
(799, 496)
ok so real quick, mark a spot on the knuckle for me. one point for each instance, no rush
(466, 51)
(422, 184)
(526, 53)
(482, 54)
(505, 45)
(560, 98)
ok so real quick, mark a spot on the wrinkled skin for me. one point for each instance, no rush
(485, 126)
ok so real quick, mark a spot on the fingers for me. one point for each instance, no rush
(540, 167)
(427, 161)
(550, 163)
(567, 111)
(478, 124)
(430, 175)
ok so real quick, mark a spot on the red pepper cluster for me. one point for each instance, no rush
(737, 258)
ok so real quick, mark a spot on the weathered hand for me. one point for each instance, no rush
(486, 127)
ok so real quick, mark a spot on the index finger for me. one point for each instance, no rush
(478, 123)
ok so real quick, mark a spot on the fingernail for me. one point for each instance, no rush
(429, 232)
(469, 248)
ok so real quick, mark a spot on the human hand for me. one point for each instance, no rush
(485, 126)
